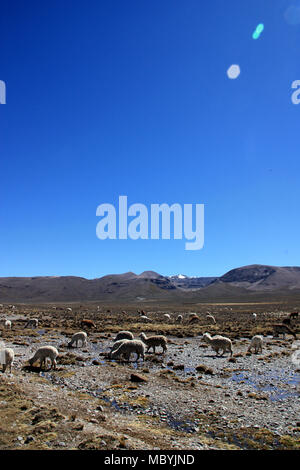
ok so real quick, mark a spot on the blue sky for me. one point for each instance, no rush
(132, 98)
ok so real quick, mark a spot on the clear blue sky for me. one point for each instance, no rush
(109, 98)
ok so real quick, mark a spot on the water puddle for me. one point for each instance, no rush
(275, 393)
(282, 395)
(178, 425)
(189, 370)
(239, 377)
(164, 417)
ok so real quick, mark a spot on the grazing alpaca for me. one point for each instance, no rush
(128, 346)
(193, 319)
(80, 336)
(42, 354)
(87, 323)
(256, 343)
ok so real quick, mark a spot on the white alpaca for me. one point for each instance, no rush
(154, 341)
(129, 346)
(7, 325)
(6, 358)
(145, 319)
(218, 342)
(80, 336)
(212, 318)
(42, 354)
(116, 345)
(256, 343)
(167, 317)
(124, 335)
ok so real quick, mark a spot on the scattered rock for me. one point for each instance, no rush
(93, 420)
(96, 363)
(178, 367)
(204, 369)
(79, 358)
(138, 378)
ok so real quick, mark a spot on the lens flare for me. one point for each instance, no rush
(233, 72)
(258, 31)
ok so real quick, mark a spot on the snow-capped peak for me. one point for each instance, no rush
(178, 276)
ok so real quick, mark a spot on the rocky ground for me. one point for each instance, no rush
(186, 398)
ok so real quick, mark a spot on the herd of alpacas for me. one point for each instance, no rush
(124, 343)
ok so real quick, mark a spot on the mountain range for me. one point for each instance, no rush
(252, 282)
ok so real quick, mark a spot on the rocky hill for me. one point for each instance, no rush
(251, 282)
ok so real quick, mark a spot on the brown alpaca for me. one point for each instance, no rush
(88, 323)
(194, 319)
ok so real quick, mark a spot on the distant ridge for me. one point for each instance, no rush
(260, 277)
(247, 282)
